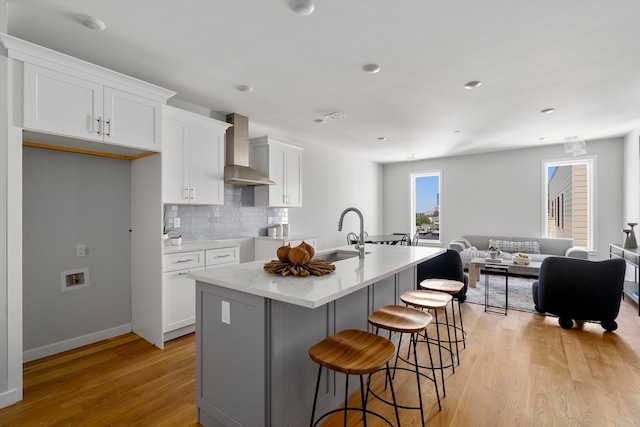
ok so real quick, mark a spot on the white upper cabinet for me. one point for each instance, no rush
(281, 161)
(69, 97)
(192, 158)
(59, 103)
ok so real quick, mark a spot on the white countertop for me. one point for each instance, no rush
(349, 276)
(168, 248)
(292, 237)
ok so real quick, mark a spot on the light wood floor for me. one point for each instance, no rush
(518, 370)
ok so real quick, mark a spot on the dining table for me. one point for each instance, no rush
(386, 239)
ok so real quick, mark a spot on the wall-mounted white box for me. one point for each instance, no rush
(74, 279)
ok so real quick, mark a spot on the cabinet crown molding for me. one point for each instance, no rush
(25, 51)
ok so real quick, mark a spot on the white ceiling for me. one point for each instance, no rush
(580, 57)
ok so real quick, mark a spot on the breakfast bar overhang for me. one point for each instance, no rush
(254, 330)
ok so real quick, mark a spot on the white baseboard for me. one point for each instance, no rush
(8, 398)
(70, 344)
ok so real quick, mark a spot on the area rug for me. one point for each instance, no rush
(520, 297)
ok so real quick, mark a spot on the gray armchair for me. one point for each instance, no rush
(580, 289)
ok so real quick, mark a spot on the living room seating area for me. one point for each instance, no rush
(538, 248)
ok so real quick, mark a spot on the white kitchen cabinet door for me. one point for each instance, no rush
(206, 166)
(282, 162)
(175, 161)
(131, 120)
(61, 104)
(192, 158)
(293, 178)
(179, 300)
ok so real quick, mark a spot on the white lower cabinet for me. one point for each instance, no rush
(179, 295)
(179, 299)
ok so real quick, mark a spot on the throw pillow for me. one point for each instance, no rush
(463, 242)
(510, 246)
(468, 254)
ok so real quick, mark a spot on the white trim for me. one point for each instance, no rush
(9, 398)
(70, 344)
(24, 51)
(592, 180)
(412, 212)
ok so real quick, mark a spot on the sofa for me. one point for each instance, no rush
(538, 248)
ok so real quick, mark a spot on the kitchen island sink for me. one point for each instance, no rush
(254, 330)
(334, 256)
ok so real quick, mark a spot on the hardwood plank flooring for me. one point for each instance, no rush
(517, 370)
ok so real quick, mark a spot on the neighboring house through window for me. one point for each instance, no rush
(569, 200)
(426, 208)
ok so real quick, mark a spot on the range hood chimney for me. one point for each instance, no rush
(236, 169)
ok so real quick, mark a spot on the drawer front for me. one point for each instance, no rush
(183, 260)
(222, 256)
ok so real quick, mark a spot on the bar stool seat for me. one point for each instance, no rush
(453, 288)
(353, 352)
(396, 318)
(432, 300)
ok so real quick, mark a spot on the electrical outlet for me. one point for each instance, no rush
(174, 208)
(226, 312)
(176, 222)
(81, 250)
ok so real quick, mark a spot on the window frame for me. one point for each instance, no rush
(412, 212)
(559, 209)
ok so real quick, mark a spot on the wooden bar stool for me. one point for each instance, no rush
(435, 301)
(406, 320)
(353, 352)
(453, 288)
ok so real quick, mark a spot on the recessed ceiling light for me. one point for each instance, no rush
(548, 110)
(244, 88)
(473, 84)
(371, 68)
(382, 138)
(320, 120)
(302, 7)
(93, 23)
(542, 138)
(457, 131)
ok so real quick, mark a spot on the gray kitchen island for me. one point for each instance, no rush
(254, 330)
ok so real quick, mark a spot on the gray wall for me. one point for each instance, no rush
(501, 192)
(69, 199)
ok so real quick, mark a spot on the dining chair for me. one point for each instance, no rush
(414, 241)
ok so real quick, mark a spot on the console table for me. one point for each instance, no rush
(632, 256)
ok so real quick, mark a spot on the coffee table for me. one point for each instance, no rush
(477, 263)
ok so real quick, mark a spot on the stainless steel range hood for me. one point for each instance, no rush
(236, 169)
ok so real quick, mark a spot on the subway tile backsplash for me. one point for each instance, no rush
(236, 218)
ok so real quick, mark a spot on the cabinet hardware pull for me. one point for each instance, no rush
(186, 193)
(184, 273)
(223, 256)
(185, 260)
(192, 193)
(108, 122)
(99, 120)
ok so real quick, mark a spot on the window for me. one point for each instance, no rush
(569, 200)
(426, 206)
